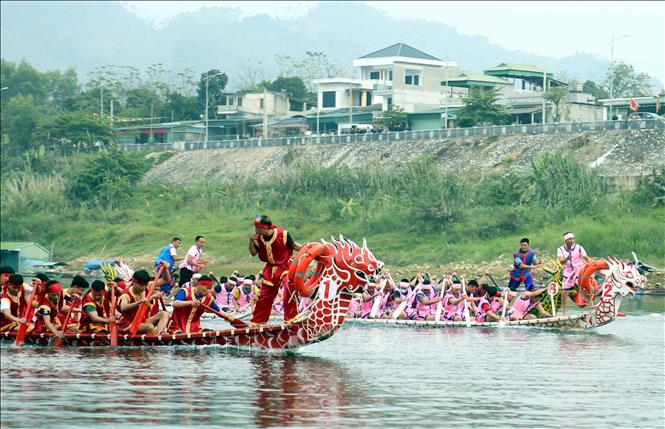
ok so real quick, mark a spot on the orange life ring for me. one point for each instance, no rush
(587, 282)
(298, 269)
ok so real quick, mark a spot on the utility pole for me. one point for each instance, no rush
(207, 79)
(350, 109)
(265, 113)
(544, 90)
(612, 40)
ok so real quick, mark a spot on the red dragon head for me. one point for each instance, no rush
(353, 264)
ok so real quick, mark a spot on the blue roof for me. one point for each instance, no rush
(400, 50)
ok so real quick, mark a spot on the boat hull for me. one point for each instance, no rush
(578, 321)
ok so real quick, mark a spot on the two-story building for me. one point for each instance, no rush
(398, 75)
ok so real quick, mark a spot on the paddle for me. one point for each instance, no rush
(27, 314)
(552, 290)
(467, 316)
(377, 300)
(59, 341)
(237, 323)
(439, 305)
(143, 308)
(404, 303)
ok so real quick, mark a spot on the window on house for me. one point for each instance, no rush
(390, 103)
(239, 101)
(375, 75)
(412, 77)
(261, 103)
(222, 101)
(390, 75)
(230, 101)
(328, 99)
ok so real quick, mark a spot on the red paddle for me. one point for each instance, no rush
(59, 341)
(237, 323)
(27, 314)
(143, 308)
(113, 327)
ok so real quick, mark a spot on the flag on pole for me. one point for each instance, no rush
(634, 105)
(657, 104)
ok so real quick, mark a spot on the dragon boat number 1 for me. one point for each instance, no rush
(552, 290)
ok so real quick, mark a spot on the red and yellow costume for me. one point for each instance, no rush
(48, 307)
(277, 255)
(188, 319)
(128, 316)
(103, 308)
(17, 306)
(75, 317)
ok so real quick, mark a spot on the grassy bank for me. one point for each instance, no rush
(418, 215)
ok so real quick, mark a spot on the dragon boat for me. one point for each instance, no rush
(342, 268)
(620, 280)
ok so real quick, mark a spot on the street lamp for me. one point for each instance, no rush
(207, 79)
(612, 40)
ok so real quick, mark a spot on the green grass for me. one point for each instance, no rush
(416, 216)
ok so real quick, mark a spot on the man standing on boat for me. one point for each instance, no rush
(524, 260)
(274, 246)
(169, 255)
(573, 257)
(192, 262)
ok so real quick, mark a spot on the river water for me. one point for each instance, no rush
(364, 377)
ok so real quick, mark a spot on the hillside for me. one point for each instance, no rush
(92, 34)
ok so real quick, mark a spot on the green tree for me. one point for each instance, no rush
(108, 177)
(182, 107)
(481, 108)
(65, 129)
(20, 119)
(394, 119)
(626, 82)
(216, 87)
(61, 86)
(556, 95)
(293, 86)
(597, 90)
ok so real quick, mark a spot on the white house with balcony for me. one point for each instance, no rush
(398, 75)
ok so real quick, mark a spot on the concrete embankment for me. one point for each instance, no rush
(617, 153)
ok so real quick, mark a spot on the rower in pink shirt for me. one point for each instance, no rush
(527, 302)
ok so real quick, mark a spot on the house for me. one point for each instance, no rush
(22, 255)
(398, 75)
(166, 132)
(620, 107)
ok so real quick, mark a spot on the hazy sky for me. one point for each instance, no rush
(555, 29)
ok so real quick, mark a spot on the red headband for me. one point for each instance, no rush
(206, 282)
(258, 224)
(54, 288)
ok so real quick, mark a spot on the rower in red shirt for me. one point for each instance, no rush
(187, 308)
(50, 304)
(274, 246)
(13, 302)
(156, 321)
(72, 296)
(96, 309)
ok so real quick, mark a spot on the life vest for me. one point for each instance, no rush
(17, 306)
(188, 319)
(75, 316)
(448, 308)
(165, 255)
(521, 307)
(424, 310)
(480, 313)
(45, 305)
(275, 251)
(103, 309)
(128, 316)
(517, 273)
(366, 307)
(243, 296)
(225, 297)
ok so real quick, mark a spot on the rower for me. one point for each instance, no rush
(451, 303)
(169, 254)
(367, 299)
(12, 301)
(527, 302)
(75, 291)
(524, 260)
(187, 306)
(5, 273)
(155, 320)
(50, 304)
(246, 294)
(482, 308)
(399, 295)
(224, 297)
(426, 299)
(96, 309)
